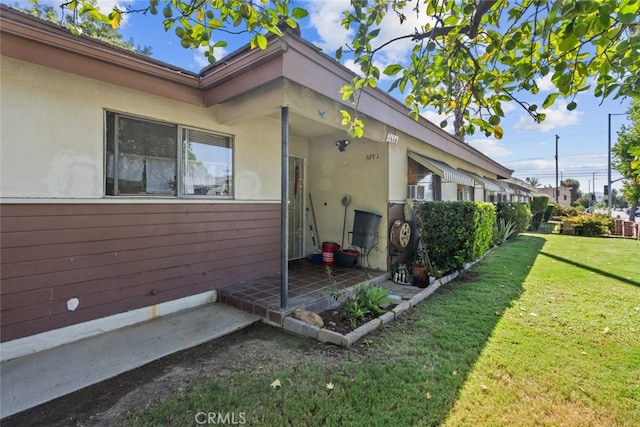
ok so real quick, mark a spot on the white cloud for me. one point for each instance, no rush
(326, 16)
(545, 84)
(436, 118)
(351, 64)
(490, 147)
(531, 166)
(202, 61)
(557, 117)
(508, 107)
(106, 6)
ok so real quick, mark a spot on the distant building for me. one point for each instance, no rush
(564, 194)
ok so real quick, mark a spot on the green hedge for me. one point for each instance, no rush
(517, 213)
(549, 212)
(455, 233)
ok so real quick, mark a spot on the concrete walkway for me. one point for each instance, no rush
(31, 380)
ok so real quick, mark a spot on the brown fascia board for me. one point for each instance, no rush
(31, 39)
(242, 71)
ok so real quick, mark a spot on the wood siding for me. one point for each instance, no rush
(118, 257)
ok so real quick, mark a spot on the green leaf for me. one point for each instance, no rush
(260, 40)
(215, 23)
(392, 69)
(572, 106)
(299, 13)
(550, 99)
(75, 30)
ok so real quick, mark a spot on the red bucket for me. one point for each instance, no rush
(329, 252)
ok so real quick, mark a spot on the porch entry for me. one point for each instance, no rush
(296, 205)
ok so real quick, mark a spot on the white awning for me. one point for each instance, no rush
(448, 173)
(508, 190)
(487, 183)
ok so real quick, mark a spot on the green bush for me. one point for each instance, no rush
(566, 211)
(538, 207)
(592, 225)
(549, 211)
(517, 213)
(455, 233)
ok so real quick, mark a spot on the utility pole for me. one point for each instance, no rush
(610, 196)
(609, 167)
(557, 189)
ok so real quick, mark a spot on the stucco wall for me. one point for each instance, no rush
(52, 135)
(360, 171)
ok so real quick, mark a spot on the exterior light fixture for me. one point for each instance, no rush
(342, 144)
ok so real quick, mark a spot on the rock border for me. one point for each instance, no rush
(325, 335)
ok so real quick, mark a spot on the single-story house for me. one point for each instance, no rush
(131, 187)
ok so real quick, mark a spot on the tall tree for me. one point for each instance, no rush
(89, 24)
(574, 184)
(624, 159)
(469, 55)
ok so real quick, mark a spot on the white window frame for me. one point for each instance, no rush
(180, 172)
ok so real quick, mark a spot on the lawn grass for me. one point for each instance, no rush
(568, 351)
(544, 331)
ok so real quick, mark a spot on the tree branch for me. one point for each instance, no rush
(470, 30)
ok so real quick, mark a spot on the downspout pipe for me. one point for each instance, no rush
(284, 206)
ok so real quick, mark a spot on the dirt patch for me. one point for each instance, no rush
(468, 276)
(334, 320)
(258, 348)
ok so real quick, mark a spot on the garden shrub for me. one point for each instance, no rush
(503, 231)
(538, 207)
(566, 211)
(592, 225)
(455, 233)
(517, 213)
(368, 301)
(549, 211)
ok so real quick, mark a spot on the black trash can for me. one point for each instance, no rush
(365, 227)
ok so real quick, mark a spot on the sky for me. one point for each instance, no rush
(526, 147)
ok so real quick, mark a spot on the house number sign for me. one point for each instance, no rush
(373, 156)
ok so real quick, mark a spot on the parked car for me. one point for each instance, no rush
(637, 212)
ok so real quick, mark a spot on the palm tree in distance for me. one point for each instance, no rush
(535, 182)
